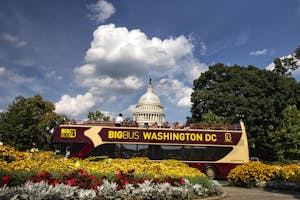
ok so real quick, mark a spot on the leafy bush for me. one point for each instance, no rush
(124, 186)
(291, 173)
(135, 178)
(253, 174)
(48, 161)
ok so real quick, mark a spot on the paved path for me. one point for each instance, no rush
(236, 193)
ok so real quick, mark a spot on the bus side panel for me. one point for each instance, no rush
(74, 136)
(222, 168)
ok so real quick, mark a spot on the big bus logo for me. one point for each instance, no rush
(68, 133)
(228, 137)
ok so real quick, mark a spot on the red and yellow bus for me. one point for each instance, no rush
(213, 150)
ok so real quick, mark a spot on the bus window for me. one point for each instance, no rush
(57, 149)
(128, 150)
(68, 151)
(173, 152)
(195, 153)
(142, 150)
(156, 152)
(103, 150)
(76, 147)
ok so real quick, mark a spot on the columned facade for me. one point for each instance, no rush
(149, 109)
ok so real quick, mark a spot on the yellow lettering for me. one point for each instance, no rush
(111, 134)
(147, 135)
(68, 133)
(160, 136)
(154, 137)
(166, 136)
(210, 137)
(228, 137)
(175, 136)
(181, 136)
(199, 137)
(119, 134)
(214, 137)
(192, 137)
(136, 135)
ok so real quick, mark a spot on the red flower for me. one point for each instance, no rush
(181, 181)
(124, 182)
(7, 178)
(134, 182)
(82, 172)
(71, 181)
(99, 182)
(119, 175)
(54, 182)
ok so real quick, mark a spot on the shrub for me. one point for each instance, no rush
(252, 173)
(124, 186)
(257, 174)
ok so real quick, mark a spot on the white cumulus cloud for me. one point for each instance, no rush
(259, 52)
(119, 63)
(74, 106)
(52, 75)
(13, 39)
(116, 51)
(128, 112)
(2, 71)
(203, 48)
(176, 92)
(101, 11)
(294, 73)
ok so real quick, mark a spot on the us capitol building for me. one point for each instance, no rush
(149, 109)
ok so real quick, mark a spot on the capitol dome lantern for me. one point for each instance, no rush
(149, 109)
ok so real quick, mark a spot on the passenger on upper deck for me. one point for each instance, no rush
(146, 125)
(155, 125)
(176, 125)
(166, 125)
(119, 120)
(187, 126)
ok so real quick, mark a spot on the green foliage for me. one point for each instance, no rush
(288, 64)
(297, 53)
(19, 176)
(211, 118)
(28, 123)
(286, 138)
(248, 93)
(98, 116)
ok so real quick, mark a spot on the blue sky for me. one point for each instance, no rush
(99, 55)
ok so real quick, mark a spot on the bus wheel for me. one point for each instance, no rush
(211, 172)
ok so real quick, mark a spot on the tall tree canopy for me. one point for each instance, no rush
(256, 96)
(286, 137)
(28, 123)
(285, 66)
(98, 116)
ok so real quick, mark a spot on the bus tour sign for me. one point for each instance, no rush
(79, 133)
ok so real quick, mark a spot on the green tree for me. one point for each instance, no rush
(248, 93)
(98, 116)
(286, 138)
(28, 123)
(211, 118)
(285, 66)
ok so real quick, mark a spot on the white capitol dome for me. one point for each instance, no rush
(149, 109)
(149, 97)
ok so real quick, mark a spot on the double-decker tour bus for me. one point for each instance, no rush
(213, 150)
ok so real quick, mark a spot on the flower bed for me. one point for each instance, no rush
(136, 178)
(253, 174)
